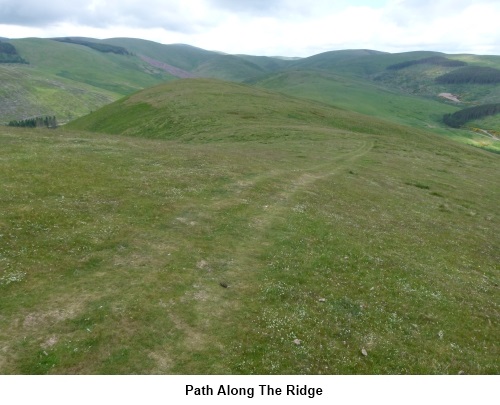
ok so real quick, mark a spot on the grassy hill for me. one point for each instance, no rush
(201, 62)
(241, 231)
(68, 80)
(362, 81)
(358, 80)
(26, 92)
(357, 94)
(196, 109)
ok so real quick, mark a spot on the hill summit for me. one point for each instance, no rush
(202, 109)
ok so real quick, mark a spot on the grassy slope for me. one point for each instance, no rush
(117, 73)
(341, 80)
(26, 92)
(68, 80)
(113, 247)
(182, 56)
(357, 94)
(357, 62)
(202, 62)
(358, 80)
(195, 108)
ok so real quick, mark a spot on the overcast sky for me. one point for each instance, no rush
(268, 27)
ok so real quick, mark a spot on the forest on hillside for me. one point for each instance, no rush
(433, 60)
(8, 54)
(459, 118)
(106, 48)
(471, 74)
(37, 122)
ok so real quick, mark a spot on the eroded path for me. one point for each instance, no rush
(261, 204)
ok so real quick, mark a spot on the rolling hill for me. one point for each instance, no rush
(208, 227)
(365, 81)
(196, 108)
(69, 79)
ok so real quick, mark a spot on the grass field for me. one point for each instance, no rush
(227, 246)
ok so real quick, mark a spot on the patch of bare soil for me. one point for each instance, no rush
(449, 96)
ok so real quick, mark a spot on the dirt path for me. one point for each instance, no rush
(244, 255)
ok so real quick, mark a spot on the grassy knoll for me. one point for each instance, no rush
(207, 109)
(330, 230)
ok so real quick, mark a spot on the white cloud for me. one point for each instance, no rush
(268, 27)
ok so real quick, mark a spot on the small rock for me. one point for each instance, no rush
(364, 352)
(441, 334)
(298, 342)
(461, 372)
(322, 300)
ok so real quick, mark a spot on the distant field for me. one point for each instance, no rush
(238, 243)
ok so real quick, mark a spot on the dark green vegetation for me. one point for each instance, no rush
(8, 54)
(433, 60)
(459, 118)
(471, 74)
(47, 122)
(337, 229)
(98, 46)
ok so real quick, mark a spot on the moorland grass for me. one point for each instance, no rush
(113, 248)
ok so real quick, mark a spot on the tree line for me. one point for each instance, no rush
(471, 74)
(433, 60)
(38, 122)
(106, 48)
(8, 54)
(459, 118)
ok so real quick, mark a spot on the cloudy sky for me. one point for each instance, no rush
(268, 27)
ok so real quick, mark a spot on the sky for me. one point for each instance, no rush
(268, 27)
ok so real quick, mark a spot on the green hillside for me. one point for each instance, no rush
(185, 57)
(363, 81)
(68, 80)
(90, 73)
(357, 94)
(26, 92)
(234, 230)
(121, 74)
(201, 62)
(200, 109)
